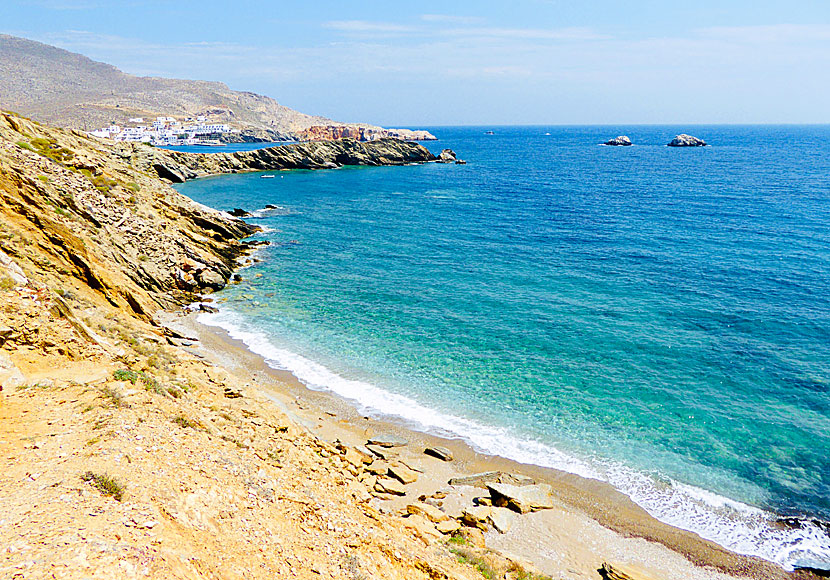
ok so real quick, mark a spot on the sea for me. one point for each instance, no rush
(657, 318)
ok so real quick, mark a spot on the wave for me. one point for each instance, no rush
(734, 525)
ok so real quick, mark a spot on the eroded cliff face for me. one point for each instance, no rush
(361, 133)
(72, 207)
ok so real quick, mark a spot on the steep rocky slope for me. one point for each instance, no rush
(70, 207)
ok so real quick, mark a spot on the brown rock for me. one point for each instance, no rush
(402, 473)
(623, 572)
(431, 513)
(441, 453)
(390, 486)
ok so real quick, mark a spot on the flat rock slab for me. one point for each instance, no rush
(448, 526)
(381, 452)
(392, 486)
(502, 519)
(477, 479)
(378, 468)
(487, 477)
(521, 498)
(403, 473)
(388, 441)
(354, 457)
(441, 453)
(430, 512)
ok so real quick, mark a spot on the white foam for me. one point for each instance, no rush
(739, 527)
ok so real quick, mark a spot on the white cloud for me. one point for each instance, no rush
(572, 33)
(774, 33)
(365, 26)
(451, 19)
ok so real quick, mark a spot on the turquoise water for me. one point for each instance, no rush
(657, 318)
(226, 148)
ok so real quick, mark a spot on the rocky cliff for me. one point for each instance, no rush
(72, 207)
(361, 133)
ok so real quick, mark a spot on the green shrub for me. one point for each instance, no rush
(106, 484)
(126, 375)
(183, 421)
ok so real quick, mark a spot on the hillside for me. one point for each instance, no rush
(66, 89)
(122, 453)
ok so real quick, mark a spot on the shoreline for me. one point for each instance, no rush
(588, 501)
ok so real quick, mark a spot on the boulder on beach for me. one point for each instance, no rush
(684, 140)
(521, 498)
(387, 441)
(441, 453)
(482, 479)
(402, 473)
(621, 141)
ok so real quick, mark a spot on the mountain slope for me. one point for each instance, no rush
(62, 88)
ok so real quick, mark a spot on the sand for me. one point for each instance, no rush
(591, 522)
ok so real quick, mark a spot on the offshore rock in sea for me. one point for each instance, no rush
(621, 141)
(446, 156)
(684, 140)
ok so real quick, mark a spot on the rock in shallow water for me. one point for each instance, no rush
(446, 156)
(684, 140)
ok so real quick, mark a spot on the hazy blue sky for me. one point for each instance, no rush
(465, 62)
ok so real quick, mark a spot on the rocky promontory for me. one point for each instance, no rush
(684, 140)
(177, 166)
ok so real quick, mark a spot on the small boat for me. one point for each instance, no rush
(489, 133)
(267, 176)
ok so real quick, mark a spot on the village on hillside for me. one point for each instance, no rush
(167, 131)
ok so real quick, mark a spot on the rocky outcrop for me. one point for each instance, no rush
(446, 156)
(68, 201)
(684, 140)
(173, 165)
(361, 133)
(621, 141)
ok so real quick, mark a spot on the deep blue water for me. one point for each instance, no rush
(655, 317)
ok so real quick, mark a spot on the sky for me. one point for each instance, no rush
(471, 63)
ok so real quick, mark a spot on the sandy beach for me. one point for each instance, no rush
(590, 523)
